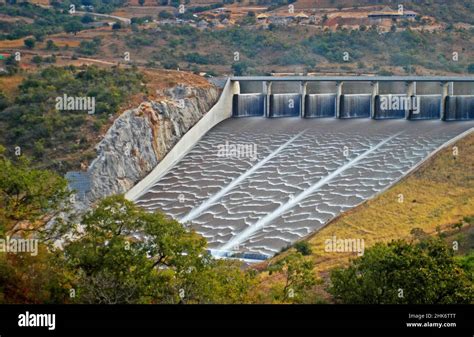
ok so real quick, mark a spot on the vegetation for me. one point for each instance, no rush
(27, 195)
(122, 254)
(305, 47)
(89, 47)
(48, 133)
(399, 272)
(303, 247)
(29, 198)
(103, 261)
(170, 266)
(298, 275)
(98, 6)
(46, 21)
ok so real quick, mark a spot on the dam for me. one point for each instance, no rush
(278, 158)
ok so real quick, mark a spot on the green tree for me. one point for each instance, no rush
(123, 254)
(424, 272)
(29, 199)
(4, 101)
(73, 27)
(50, 45)
(298, 275)
(29, 43)
(12, 65)
(165, 15)
(87, 19)
(303, 247)
(37, 59)
(240, 68)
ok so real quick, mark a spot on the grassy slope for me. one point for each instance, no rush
(437, 195)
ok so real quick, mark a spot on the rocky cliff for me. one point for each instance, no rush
(141, 137)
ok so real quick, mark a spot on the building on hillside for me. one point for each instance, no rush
(313, 19)
(262, 18)
(202, 24)
(280, 20)
(222, 10)
(88, 8)
(390, 14)
(301, 17)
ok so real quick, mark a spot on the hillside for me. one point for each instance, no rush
(66, 140)
(438, 42)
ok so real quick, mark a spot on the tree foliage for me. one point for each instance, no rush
(298, 277)
(407, 273)
(46, 21)
(123, 254)
(58, 133)
(29, 198)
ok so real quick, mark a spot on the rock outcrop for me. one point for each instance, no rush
(141, 137)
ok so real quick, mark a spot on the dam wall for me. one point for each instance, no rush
(445, 98)
(377, 97)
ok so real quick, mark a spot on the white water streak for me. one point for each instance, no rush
(245, 234)
(194, 213)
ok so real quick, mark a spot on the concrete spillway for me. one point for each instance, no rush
(253, 186)
(325, 146)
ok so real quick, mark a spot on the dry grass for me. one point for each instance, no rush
(9, 44)
(40, 2)
(9, 85)
(159, 80)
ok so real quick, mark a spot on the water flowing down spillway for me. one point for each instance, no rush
(248, 105)
(304, 173)
(390, 106)
(459, 108)
(285, 105)
(355, 106)
(430, 107)
(320, 105)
